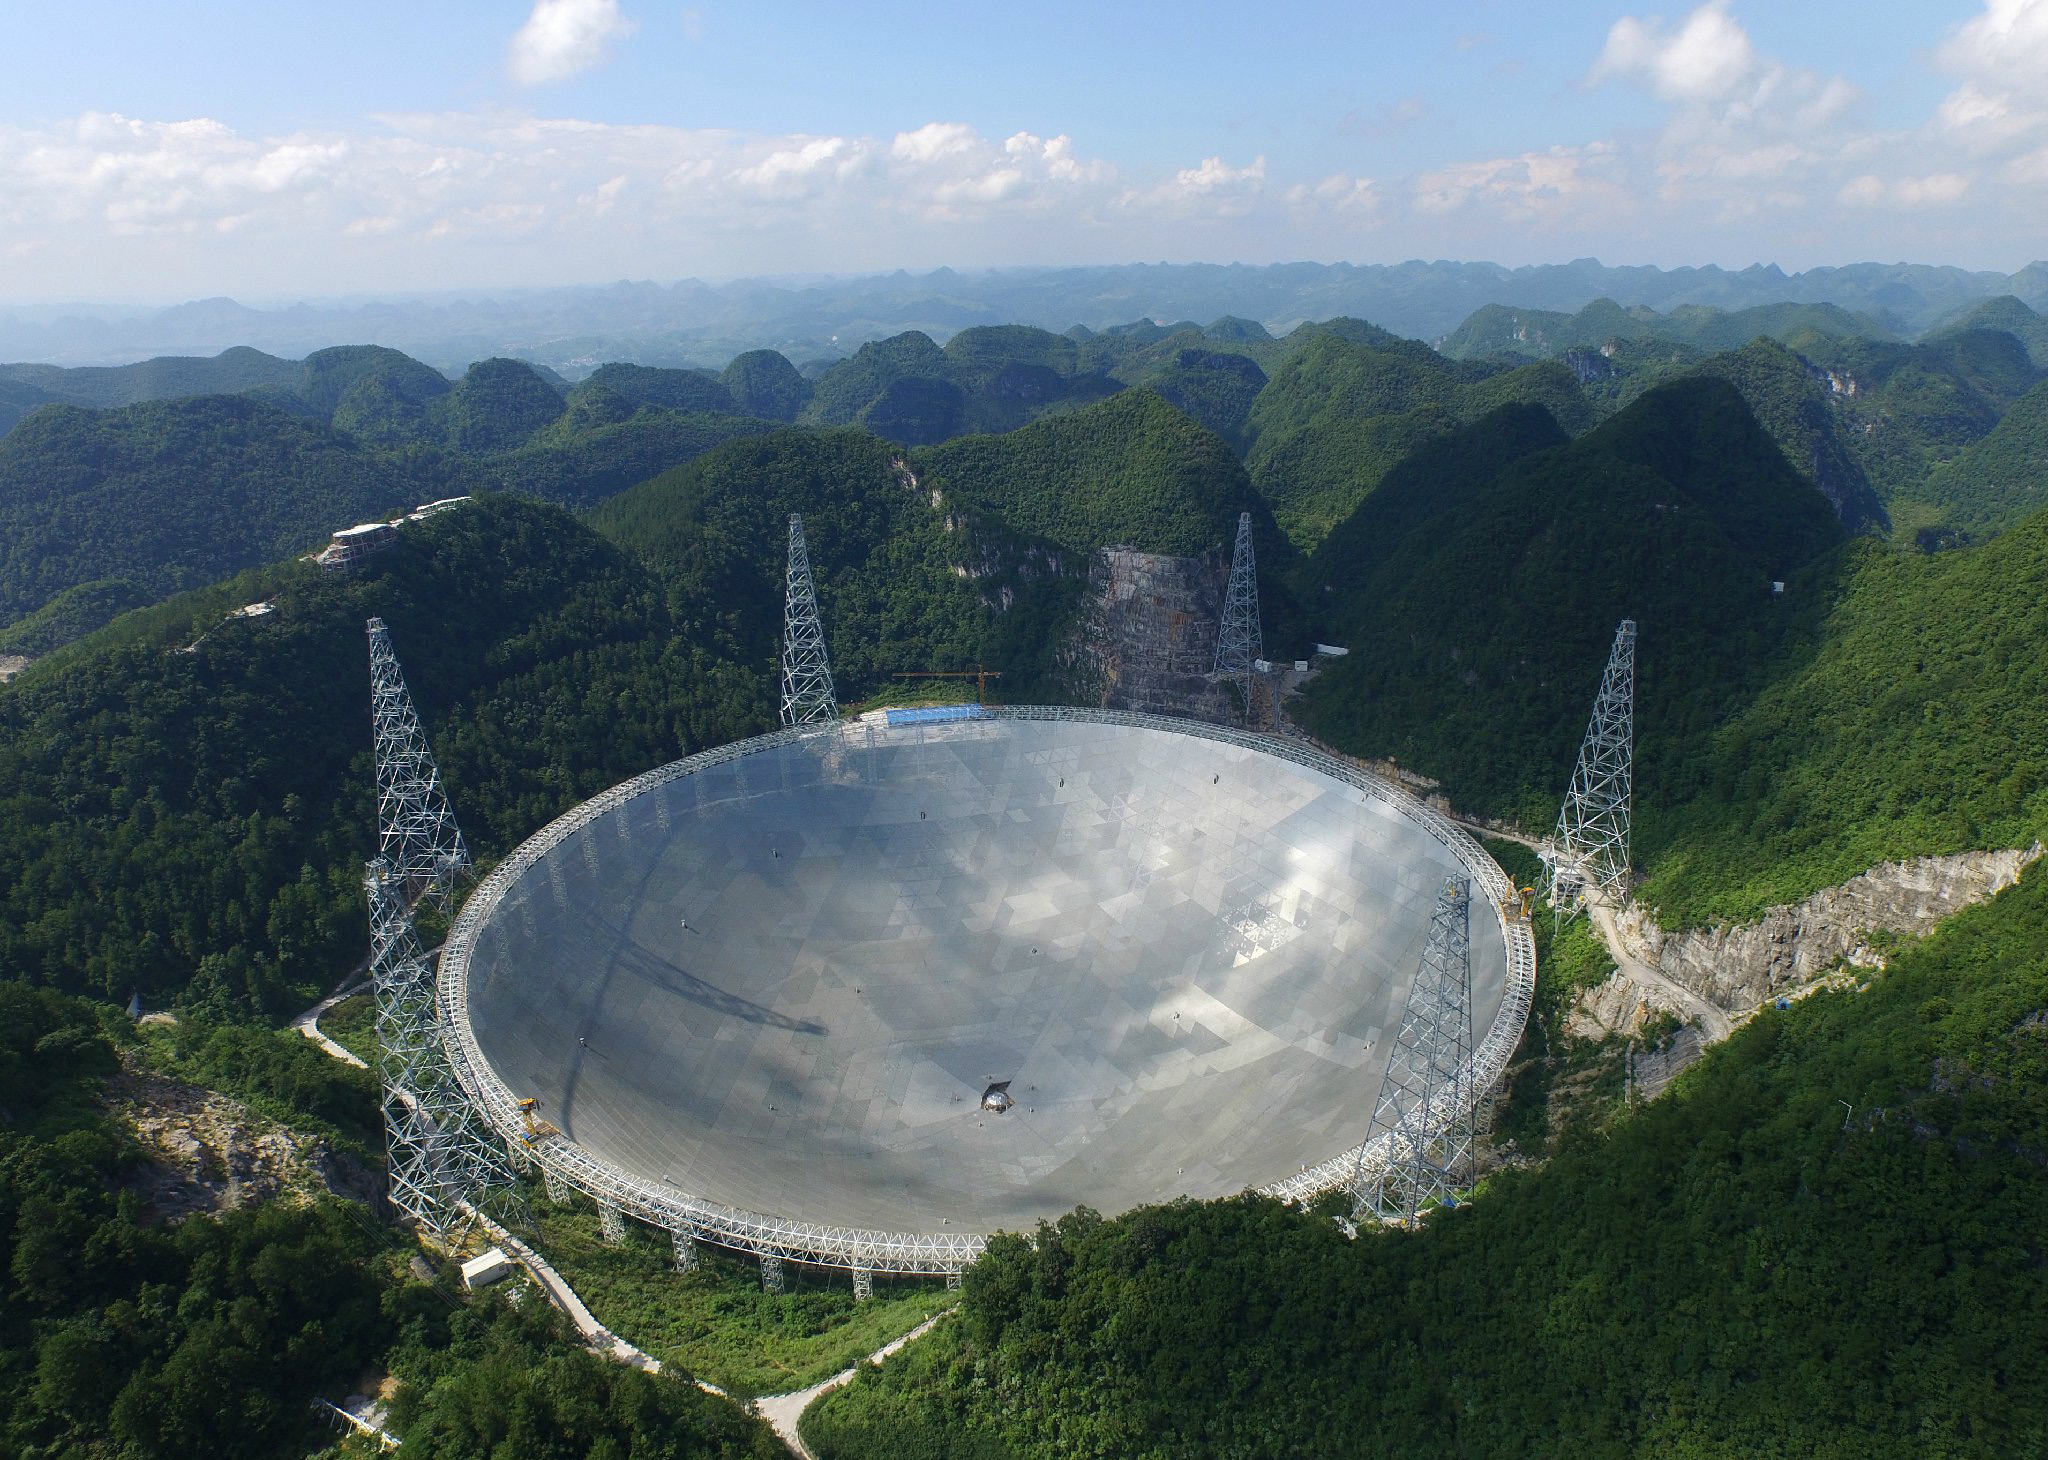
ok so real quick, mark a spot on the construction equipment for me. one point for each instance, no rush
(536, 1128)
(980, 676)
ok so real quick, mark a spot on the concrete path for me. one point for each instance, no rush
(308, 1024)
(782, 1411)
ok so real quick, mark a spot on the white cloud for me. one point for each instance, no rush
(1745, 134)
(934, 141)
(2000, 58)
(1936, 190)
(2006, 46)
(1212, 188)
(563, 38)
(416, 193)
(1556, 186)
(1708, 59)
(1339, 194)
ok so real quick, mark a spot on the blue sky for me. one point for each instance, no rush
(155, 151)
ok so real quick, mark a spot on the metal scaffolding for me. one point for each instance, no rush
(1426, 1099)
(439, 1158)
(1590, 849)
(416, 832)
(1238, 642)
(807, 696)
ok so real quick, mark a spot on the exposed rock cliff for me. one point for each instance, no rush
(1150, 638)
(1740, 967)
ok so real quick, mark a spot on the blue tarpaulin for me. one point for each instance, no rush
(934, 715)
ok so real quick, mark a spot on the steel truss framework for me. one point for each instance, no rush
(1590, 848)
(416, 832)
(807, 694)
(1238, 641)
(701, 1219)
(439, 1161)
(1425, 1110)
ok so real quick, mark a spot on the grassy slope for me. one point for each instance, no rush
(716, 1322)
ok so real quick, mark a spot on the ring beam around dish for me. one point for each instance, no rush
(762, 990)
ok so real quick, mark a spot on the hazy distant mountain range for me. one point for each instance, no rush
(573, 330)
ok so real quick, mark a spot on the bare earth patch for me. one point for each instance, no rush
(206, 1153)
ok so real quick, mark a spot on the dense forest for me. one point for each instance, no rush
(121, 1335)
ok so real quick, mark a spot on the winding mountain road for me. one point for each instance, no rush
(1713, 1020)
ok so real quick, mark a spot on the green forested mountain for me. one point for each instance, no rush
(1795, 403)
(578, 461)
(904, 582)
(763, 383)
(72, 614)
(2010, 315)
(1907, 713)
(1208, 386)
(1678, 512)
(1999, 479)
(849, 390)
(1906, 409)
(1130, 471)
(498, 405)
(1342, 411)
(164, 378)
(17, 400)
(1742, 1267)
(1884, 706)
(1868, 419)
(172, 494)
(1537, 334)
(168, 495)
(189, 800)
(644, 385)
(992, 378)
(122, 1335)
(1733, 1270)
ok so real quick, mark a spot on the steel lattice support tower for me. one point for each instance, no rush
(416, 831)
(807, 696)
(1426, 1100)
(1238, 644)
(439, 1160)
(1591, 845)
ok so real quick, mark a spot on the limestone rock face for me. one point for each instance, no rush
(1745, 965)
(1617, 1005)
